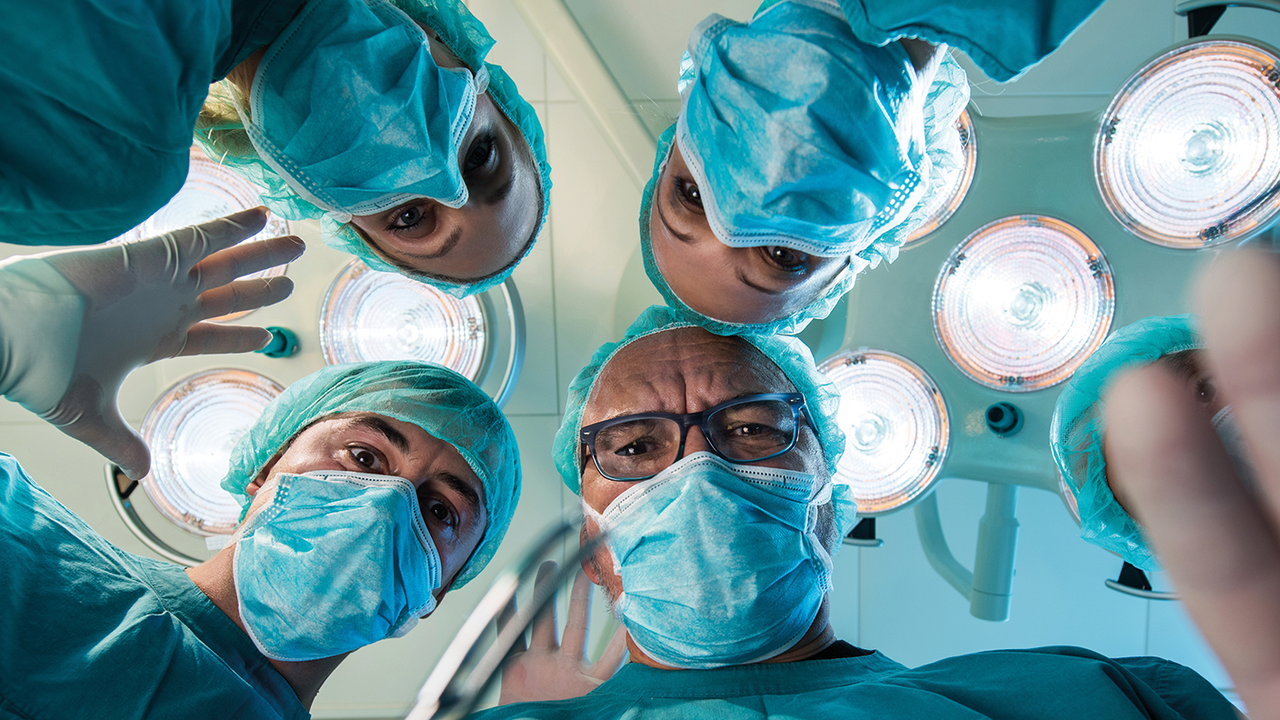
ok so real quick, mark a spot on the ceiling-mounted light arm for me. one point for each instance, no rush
(989, 587)
(1202, 15)
(119, 488)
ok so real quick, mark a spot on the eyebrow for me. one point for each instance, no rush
(742, 277)
(382, 427)
(662, 216)
(463, 488)
(501, 193)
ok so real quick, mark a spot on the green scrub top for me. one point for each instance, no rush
(100, 100)
(1056, 682)
(90, 631)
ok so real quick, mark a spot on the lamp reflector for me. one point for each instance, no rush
(958, 180)
(211, 191)
(372, 315)
(895, 424)
(191, 431)
(1021, 302)
(1188, 152)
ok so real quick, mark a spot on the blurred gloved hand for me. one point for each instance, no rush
(75, 323)
(549, 670)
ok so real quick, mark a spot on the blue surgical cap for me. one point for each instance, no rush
(946, 98)
(1076, 433)
(466, 36)
(788, 353)
(440, 401)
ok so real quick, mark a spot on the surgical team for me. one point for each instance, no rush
(703, 443)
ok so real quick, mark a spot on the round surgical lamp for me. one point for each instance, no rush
(191, 431)
(371, 315)
(211, 191)
(1188, 152)
(896, 428)
(1021, 302)
(958, 179)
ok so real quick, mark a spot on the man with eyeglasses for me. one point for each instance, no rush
(709, 461)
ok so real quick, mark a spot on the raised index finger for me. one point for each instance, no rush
(574, 642)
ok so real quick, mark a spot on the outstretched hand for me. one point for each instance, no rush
(1218, 539)
(122, 306)
(551, 670)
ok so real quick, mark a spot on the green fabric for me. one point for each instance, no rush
(1004, 37)
(100, 97)
(91, 631)
(440, 401)
(1057, 682)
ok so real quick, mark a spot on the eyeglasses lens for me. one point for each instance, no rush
(647, 446)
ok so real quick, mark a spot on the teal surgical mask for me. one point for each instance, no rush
(332, 562)
(721, 564)
(350, 108)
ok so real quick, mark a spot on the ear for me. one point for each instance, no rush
(263, 474)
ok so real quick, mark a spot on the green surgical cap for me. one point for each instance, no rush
(440, 401)
(466, 36)
(789, 354)
(1076, 433)
(947, 97)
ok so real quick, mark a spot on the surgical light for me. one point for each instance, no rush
(372, 315)
(1021, 302)
(958, 180)
(191, 431)
(895, 424)
(1188, 152)
(211, 191)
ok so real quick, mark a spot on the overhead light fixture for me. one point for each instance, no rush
(211, 191)
(896, 428)
(372, 315)
(958, 180)
(191, 431)
(1188, 152)
(1021, 302)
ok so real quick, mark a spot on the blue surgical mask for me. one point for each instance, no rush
(797, 134)
(333, 562)
(720, 563)
(350, 108)
(1224, 422)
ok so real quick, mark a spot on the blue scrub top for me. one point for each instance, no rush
(100, 100)
(1056, 682)
(90, 631)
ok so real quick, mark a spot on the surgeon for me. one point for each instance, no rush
(1080, 442)
(812, 141)
(709, 460)
(382, 119)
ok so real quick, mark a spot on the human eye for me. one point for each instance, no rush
(1205, 391)
(367, 459)
(753, 429)
(632, 439)
(482, 153)
(688, 193)
(436, 509)
(785, 258)
(406, 218)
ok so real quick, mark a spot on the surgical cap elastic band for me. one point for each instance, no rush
(440, 401)
(1079, 425)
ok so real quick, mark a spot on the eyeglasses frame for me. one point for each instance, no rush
(799, 411)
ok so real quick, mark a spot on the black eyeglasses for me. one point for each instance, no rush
(751, 428)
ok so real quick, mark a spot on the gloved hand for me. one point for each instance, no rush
(549, 670)
(75, 323)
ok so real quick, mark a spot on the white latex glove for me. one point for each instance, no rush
(74, 323)
(549, 670)
(1218, 538)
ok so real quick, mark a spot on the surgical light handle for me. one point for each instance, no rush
(989, 587)
(119, 495)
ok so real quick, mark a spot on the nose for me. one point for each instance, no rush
(695, 441)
